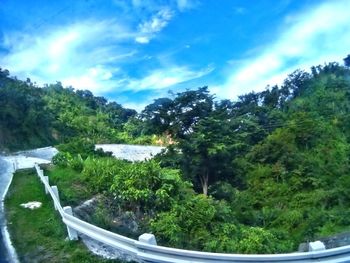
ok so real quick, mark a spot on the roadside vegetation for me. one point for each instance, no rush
(257, 175)
(39, 235)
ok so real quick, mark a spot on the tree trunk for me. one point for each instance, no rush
(204, 182)
(205, 188)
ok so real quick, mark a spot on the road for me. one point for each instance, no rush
(25, 159)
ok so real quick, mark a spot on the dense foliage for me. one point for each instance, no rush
(257, 175)
(279, 158)
(32, 116)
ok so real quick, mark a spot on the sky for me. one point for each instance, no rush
(134, 51)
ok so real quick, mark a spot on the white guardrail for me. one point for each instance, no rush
(146, 250)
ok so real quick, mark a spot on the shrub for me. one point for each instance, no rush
(147, 186)
(99, 172)
(61, 159)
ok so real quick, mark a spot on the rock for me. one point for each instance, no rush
(338, 240)
(303, 247)
(126, 222)
(123, 222)
(86, 209)
(105, 251)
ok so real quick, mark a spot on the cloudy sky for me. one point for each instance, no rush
(133, 51)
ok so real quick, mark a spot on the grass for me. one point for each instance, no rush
(70, 183)
(39, 235)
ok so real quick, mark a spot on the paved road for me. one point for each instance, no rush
(24, 159)
(4, 180)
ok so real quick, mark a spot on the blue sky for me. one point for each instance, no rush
(134, 51)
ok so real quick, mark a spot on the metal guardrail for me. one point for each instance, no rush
(145, 252)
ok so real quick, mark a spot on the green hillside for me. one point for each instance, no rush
(32, 116)
(260, 174)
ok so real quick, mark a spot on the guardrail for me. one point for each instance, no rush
(146, 250)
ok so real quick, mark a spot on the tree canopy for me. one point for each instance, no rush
(32, 116)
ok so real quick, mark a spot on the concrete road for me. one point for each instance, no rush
(21, 160)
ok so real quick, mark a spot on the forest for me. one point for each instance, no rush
(260, 174)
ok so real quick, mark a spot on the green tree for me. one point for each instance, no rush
(347, 61)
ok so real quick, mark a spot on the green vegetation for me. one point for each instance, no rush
(163, 203)
(70, 183)
(39, 235)
(32, 116)
(257, 175)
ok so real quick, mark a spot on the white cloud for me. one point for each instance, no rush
(91, 54)
(86, 55)
(319, 34)
(154, 5)
(97, 78)
(142, 40)
(148, 29)
(79, 55)
(136, 3)
(165, 78)
(158, 22)
(183, 5)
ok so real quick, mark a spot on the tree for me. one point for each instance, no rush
(159, 116)
(347, 61)
(178, 116)
(206, 152)
(296, 82)
(189, 108)
(24, 121)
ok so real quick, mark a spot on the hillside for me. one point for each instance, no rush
(32, 116)
(257, 175)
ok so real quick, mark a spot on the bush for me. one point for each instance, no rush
(61, 159)
(147, 186)
(187, 224)
(100, 172)
(65, 159)
(256, 240)
(76, 163)
(223, 238)
(82, 146)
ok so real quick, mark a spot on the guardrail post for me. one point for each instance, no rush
(148, 239)
(55, 191)
(72, 233)
(41, 172)
(15, 164)
(46, 178)
(316, 246)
